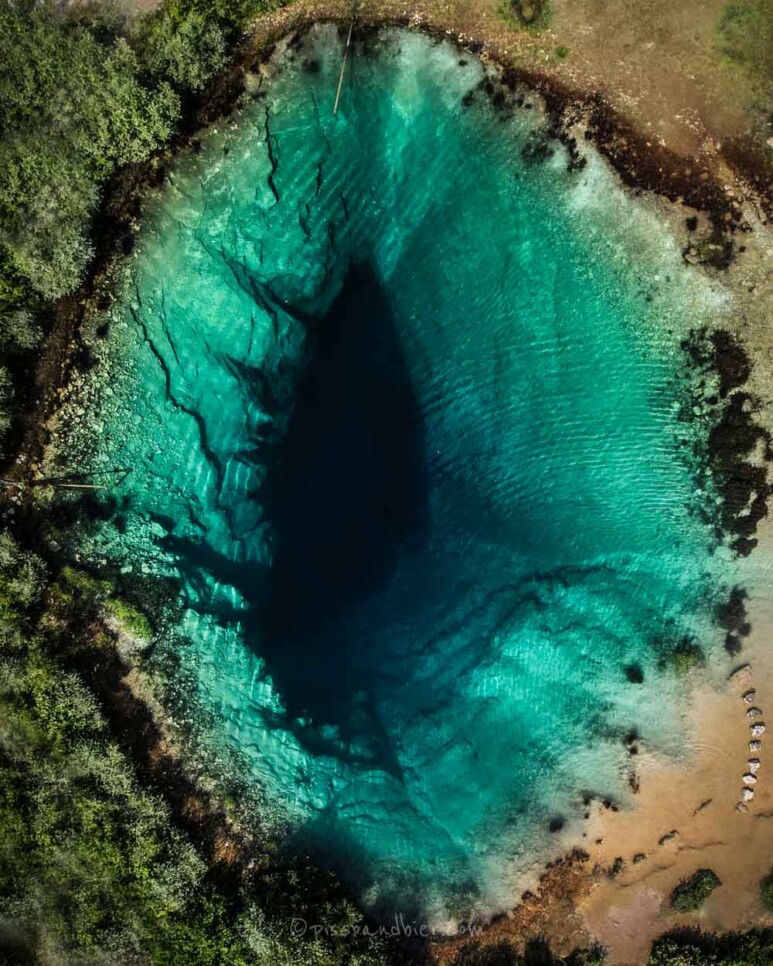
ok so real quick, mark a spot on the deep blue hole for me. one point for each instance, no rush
(349, 493)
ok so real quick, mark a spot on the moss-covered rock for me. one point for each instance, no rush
(691, 893)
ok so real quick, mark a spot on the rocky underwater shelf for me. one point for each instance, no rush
(399, 397)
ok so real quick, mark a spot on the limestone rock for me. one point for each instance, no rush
(753, 764)
(749, 779)
(757, 730)
(742, 676)
(747, 794)
(755, 746)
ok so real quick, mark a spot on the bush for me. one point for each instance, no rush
(691, 893)
(766, 892)
(691, 947)
(92, 868)
(73, 107)
(133, 620)
(187, 51)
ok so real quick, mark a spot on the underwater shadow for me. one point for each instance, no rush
(347, 495)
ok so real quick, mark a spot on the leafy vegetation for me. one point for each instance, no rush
(536, 953)
(691, 893)
(533, 15)
(92, 866)
(73, 108)
(746, 38)
(83, 94)
(695, 948)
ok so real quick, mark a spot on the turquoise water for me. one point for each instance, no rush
(398, 398)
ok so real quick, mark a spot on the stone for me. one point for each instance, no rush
(742, 675)
(755, 746)
(741, 807)
(747, 794)
(753, 764)
(749, 779)
(757, 730)
(749, 696)
(754, 713)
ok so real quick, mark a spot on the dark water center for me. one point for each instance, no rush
(349, 491)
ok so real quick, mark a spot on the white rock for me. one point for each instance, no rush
(753, 765)
(742, 675)
(747, 794)
(741, 807)
(749, 696)
(754, 713)
(749, 779)
(755, 746)
(757, 730)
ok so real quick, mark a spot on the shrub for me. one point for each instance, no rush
(683, 657)
(692, 947)
(691, 893)
(187, 50)
(73, 106)
(533, 15)
(21, 578)
(766, 892)
(133, 620)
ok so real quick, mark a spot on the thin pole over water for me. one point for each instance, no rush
(343, 66)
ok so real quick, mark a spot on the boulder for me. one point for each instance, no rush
(755, 746)
(742, 675)
(753, 764)
(754, 713)
(749, 696)
(749, 779)
(747, 794)
(757, 730)
(741, 807)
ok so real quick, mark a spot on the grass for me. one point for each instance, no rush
(691, 893)
(745, 39)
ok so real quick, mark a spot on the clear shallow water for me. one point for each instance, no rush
(400, 408)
